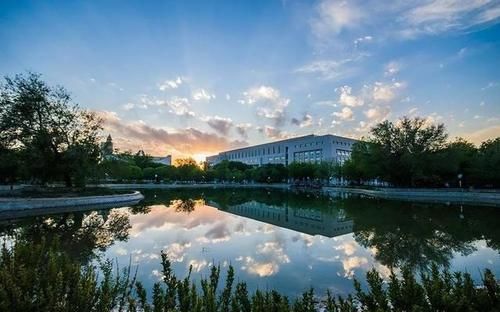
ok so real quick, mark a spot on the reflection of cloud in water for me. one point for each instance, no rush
(163, 217)
(198, 265)
(176, 251)
(219, 233)
(241, 228)
(307, 239)
(349, 247)
(266, 229)
(268, 258)
(260, 269)
(120, 251)
(351, 263)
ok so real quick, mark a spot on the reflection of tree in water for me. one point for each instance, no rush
(186, 205)
(418, 235)
(78, 234)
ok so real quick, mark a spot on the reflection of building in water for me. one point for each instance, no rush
(307, 221)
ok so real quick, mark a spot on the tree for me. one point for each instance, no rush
(185, 161)
(54, 137)
(403, 149)
(455, 158)
(488, 162)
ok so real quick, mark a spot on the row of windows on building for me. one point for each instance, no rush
(343, 143)
(310, 144)
(308, 156)
(343, 152)
(318, 143)
(255, 152)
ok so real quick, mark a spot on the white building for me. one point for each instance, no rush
(310, 148)
(166, 160)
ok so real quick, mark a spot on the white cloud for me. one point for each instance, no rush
(362, 39)
(273, 133)
(346, 98)
(327, 69)
(490, 85)
(180, 106)
(219, 124)
(409, 19)
(488, 15)
(332, 17)
(269, 103)
(345, 114)
(202, 95)
(386, 91)
(377, 114)
(437, 16)
(392, 68)
(170, 84)
(412, 110)
(243, 128)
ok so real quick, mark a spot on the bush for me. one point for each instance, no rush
(42, 278)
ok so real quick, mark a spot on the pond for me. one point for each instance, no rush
(275, 239)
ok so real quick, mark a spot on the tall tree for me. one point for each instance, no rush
(404, 148)
(57, 139)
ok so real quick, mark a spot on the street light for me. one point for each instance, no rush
(460, 176)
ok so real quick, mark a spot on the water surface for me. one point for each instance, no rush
(288, 241)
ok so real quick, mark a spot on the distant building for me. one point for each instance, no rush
(107, 147)
(166, 160)
(305, 149)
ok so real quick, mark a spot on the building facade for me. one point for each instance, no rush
(305, 149)
(164, 160)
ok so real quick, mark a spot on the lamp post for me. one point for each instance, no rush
(460, 176)
(156, 178)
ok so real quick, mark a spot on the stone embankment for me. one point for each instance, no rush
(490, 198)
(62, 204)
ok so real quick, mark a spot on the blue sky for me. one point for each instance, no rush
(197, 77)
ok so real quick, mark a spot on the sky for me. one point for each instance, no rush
(193, 78)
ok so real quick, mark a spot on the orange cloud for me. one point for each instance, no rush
(157, 141)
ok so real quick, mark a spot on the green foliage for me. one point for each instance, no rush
(413, 153)
(40, 277)
(51, 138)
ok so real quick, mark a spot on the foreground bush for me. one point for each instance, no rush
(43, 278)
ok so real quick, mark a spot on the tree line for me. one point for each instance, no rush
(140, 167)
(414, 153)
